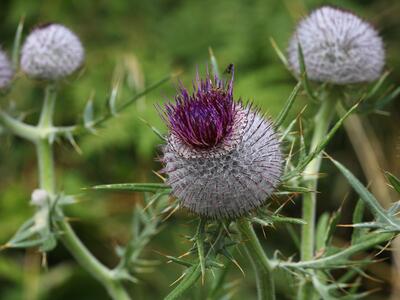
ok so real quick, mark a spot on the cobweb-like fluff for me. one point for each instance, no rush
(338, 47)
(6, 70)
(51, 52)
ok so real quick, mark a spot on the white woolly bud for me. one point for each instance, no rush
(338, 47)
(6, 71)
(39, 197)
(51, 52)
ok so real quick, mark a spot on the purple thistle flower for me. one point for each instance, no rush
(222, 158)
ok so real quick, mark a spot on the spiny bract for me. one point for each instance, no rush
(6, 70)
(51, 52)
(338, 47)
(222, 158)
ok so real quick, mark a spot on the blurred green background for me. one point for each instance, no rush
(147, 40)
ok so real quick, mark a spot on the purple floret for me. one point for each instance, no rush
(202, 119)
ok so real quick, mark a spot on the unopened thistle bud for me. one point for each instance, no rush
(338, 47)
(39, 197)
(222, 158)
(51, 52)
(6, 70)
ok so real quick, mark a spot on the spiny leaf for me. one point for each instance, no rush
(88, 115)
(112, 100)
(288, 105)
(154, 129)
(17, 43)
(357, 218)
(334, 220)
(294, 189)
(303, 74)
(375, 88)
(302, 164)
(132, 187)
(214, 63)
(387, 99)
(394, 181)
(322, 230)
(200, 247)
(340, 259)
(377, 210)
(280, 54)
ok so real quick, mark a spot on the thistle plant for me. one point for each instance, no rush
(226, 164)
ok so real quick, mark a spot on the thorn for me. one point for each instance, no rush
(180, 278)
(159, 176)
(239, 267)
(170, 214)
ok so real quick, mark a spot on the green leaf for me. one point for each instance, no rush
(269, 220)
(132, 187)
(303, 74)
(154, 129)
(294, 189)
(387, 99)
(377, 210)
(112, 100)
(200, 247)
(17, 44)
(288, 105)
(214, 63)
(88, 115)
(279, 52)
(322, 229)
(394, 181)
(358, 214)
(341, 258)
(302, 164)
(376, 87)
(144, 92)
(333, 221)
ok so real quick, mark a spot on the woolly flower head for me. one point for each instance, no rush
(338, 47)
(6, 70)
(51, 52)
(222, 158)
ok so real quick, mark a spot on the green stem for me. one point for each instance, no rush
(322, 121)
(20, 129)
(261, 286)
(68, 237)
(265, 282)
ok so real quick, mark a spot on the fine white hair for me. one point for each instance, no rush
(338, 47)
(51, 52)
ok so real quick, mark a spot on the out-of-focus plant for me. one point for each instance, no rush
(49, 54)
(223, 159)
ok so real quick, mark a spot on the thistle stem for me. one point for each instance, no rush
(322, 121)
(263, 270)
(261, 286)
(44, 150)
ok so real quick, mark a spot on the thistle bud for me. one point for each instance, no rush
(6, 70)
(39, 197)
(222, 158)
(51, 52)
(338, 47)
